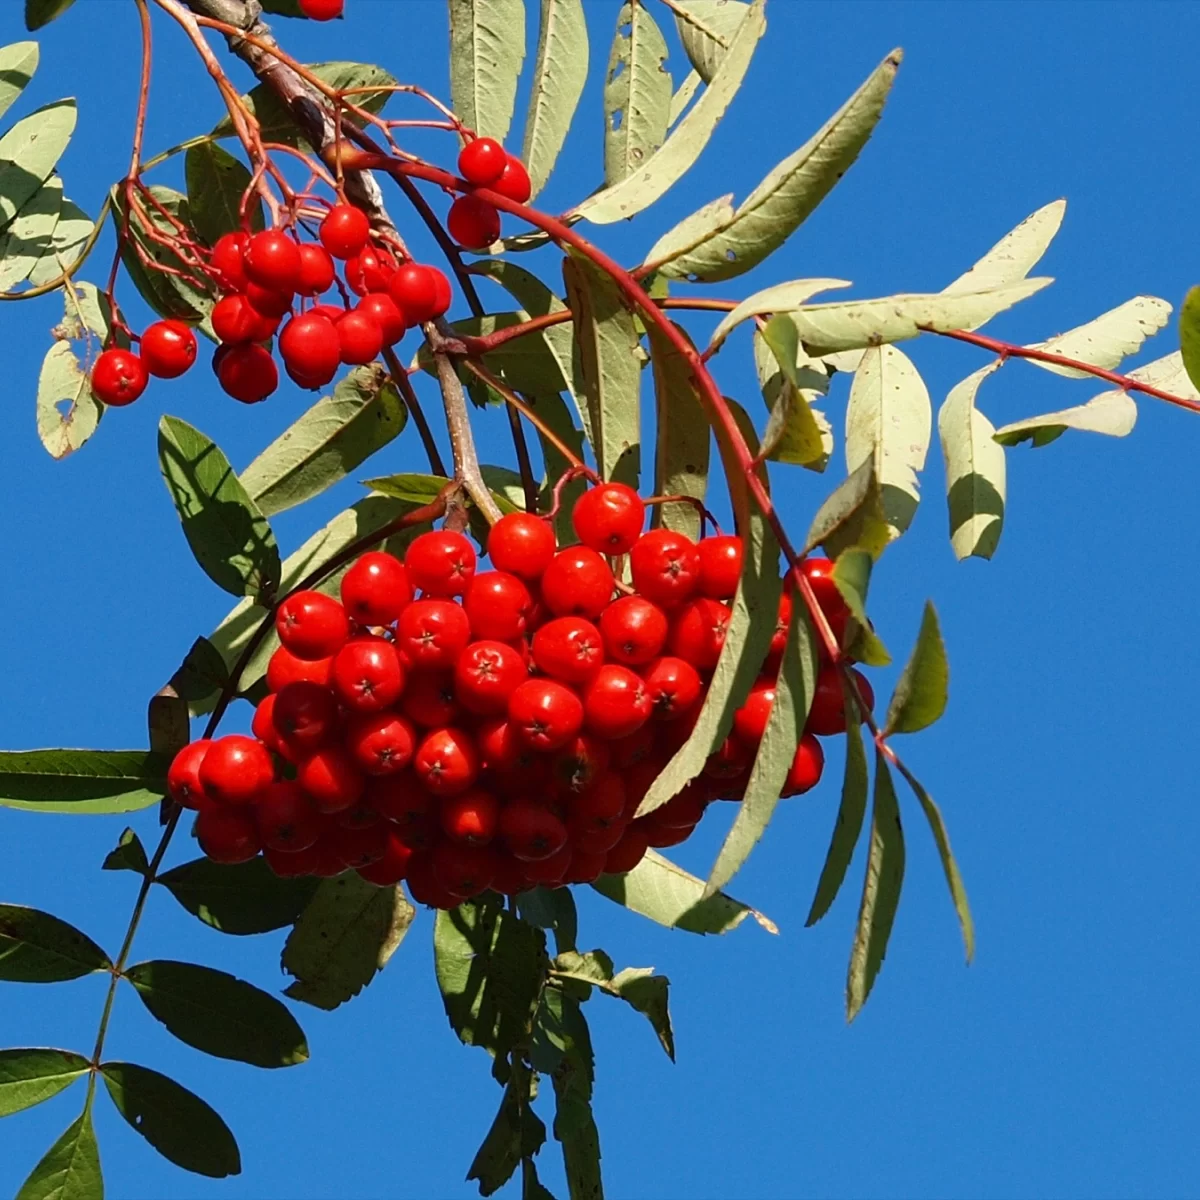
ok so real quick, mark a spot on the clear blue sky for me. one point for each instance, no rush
(1065, 1061)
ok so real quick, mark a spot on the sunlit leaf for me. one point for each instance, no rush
(780, 297)
(81, 781)
(36, 947)
(1113, 413)
(18, 62)
(852, 516)
(70, 1169)
(30, 235)
(29, 152)
(1015, 254)
(649, 994)
(73, 229)
(706, 29)
(920, 696)
(637, 93)
(685, 93)
(1108, 339)
(796, 432)
(487, 48)
(559, 74)
(682, 438)
(1189, 335)
(27, 1077)
(852, 575)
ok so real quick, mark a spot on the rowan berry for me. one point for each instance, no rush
(316, 270)
(369, 271)
(309, 345)
(357, 848)
(698, 632)
(750, 721)
(440, 563)
(514, 182)
(720, 565)
(609, 518)
(674, 686)
(183, 775)
(344, 231)
(486, 675)
(401, 799)
(381, 743)
(247, 373)
(414, 291)
(616, 702)
(546, 714)
(522, 544)
(267, 302)
(805, 772)
(284, 667)
(119, 377)
(828, 713)
(446, 761)
(628, 852)
(312, 625)
(226, 261)
(168, 349)
(227, 835)
(819, 573)
(482, 161)
(549, 871)
(578, 582)
(472, 816)
(236, 770)
(331, 779)
(432, 633)
(360, 339)
(304, 717)
(497, 605)
(286, 818)
(368, 675)
(634, 630)
(579, 762)
(464, 870)
(272, 260)
(586, 866)
(428, 699)
(425, 887)
(235, 320)
(392, 865)
(379, 308)
(665, 566)
(530, 831)
(473, 223)
(322, 10)
(568, 648)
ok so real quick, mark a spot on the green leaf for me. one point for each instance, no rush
(70, 234)
(216, 185)
(284, 8)
(976, 474)
(551, 908)
(958, 892)
(559, 74)
(347, 933)
(487, 48)
(728, 243)
(27, 1077)
(490, 966)
(219, 1014)
(1189, 335)
(659, 889)
(30, 236)
(779, 298)
(276, 122)
(70, 1169)
(81, 781)
(67, 412)
(796, 432)
(229, 536)
(1112, 413)
(658, 173)
(563, 1033)
(1015, 254)
(516, 1133)
(852, 575)
(18, 61)
(128, 855)
(682, 438)
(329, 441)
(685, 93)
(1108, 339)
(794, 691)
(706, 29)
(42, 12)
(920, 696)
(201, 673)
(853, 324)
(889, 420)
(881, 891)
(848, 827)
(176, 1122)
(29, 152)
(648, 993)
(852, 516)
(607, 344)
(244, 898)
(36, 947)
(637, 93)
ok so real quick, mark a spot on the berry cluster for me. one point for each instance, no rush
(497, 729)
(473, 222)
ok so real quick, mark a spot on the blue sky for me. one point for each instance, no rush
(1064, 1062)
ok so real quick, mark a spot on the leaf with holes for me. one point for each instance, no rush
(219, 1014)
(244, 898)
(29, 152)
(82, 781)
(176, 1122)
(637, 93)
(1112, 413)
(36, 947)
(487, 48)
(920, 696)
(1108, 339)
(70, 1169)
(976, 472)
(216, 186)
(27, 1077)
(1015, 254)
(667, 165)
(229, 536)
(559, 73)
(346, 934)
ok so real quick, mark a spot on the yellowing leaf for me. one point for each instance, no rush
(1113, 413)
(1108, 339)
(1015, 254)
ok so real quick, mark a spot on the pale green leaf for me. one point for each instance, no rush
(920, 696)
(685, 93)
(648, 993)
(559, 74)
(329, 441)
(1168, 374)
(692, 230)
(29, 152)
(18, 61)
(881, 891)
(707, 29)
(1108, 339)
(487, 48)
(796, 432)
(784, 199)
(975, 470)
(637, 93)
(30, 237)
(70, 1169)
(889, 419)
(1015, 254)
(72, 231)
(1113, 413)
(851, 516)
(81, 781)
(682, 438)
(1189, 335)
(666, 893)
(780, 297)
(67, 412)
(27, 1077)
(852, 576)
(675, 157)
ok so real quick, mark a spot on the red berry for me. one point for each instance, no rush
(443, 295)
(368, 675)
(634, 630)
(580, 762)
(720, 566)
(312, 625)
(236, 770)
(568, 648)
(628, 852)
(284, 667)
(470, 817)
(521, 544)
(360, 815)
(400, 798)
(414, 291)
(236, 320)
(425, 887)
(546, 714)
(665, 566)
(600, 805)
(248, 373)
(482, 161)
(497, 604)
(168, 349)
(380, 309)
(819, 573)
(616, 702)
(357, 847)
(375, 591)
(304, 717)
(226, 261)
(486, 674)
(183, 775)
(119, 377)
(636, 748)
(530, 831)
(272, 260)
(428, 699)
(359, 338)
(550, 871)
(432, 633)
(698, 632)
(286, 819)
(227, 835)
(332, 779)
(267, 302)
(316, 270)
(750, 721)
(730, 760)
(586, 866)
(440, 563)
(805, 771)
(370, 271)
(674, 686)
(660, 836)
(446, 761)
(514, 182)
(464, 870)
(309, 345)
(288, 864)
(381, 743)
(473, 223)
(345, 230)
(391, 866)
(828, 713)
(322, 10)
(578, 582)
(609, 518)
